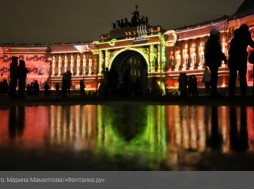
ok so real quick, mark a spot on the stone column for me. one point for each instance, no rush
(151, 58)
(201, 55)
(78, 65)
(193, 56)
(59, 65)
(53, 65)
(185, 57)
(178, 60)
(162, 54)
(163, 57)
(72, 63)
(95, 65)
(84, 65)
(159, 59)
(101, 61)
(65, 63)
(90, 63)
(106, 59)
(171, 59)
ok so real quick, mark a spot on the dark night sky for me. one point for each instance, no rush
(63, 21)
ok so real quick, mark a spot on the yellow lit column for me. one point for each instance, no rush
(59, 65)
(53, 65)
(163, 57)
(159, 59)
(84, 64)
(178, 60)
(185, 57)
(201, 55)
(65, 63)
(90, 63)
(101, 60)
(72, 63)
(151, 58)
(95, 67)
(78, 65)
(163, 54)
(171, 58)
(193, 56)
(106, 59)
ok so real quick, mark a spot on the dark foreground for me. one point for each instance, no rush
(13, 160)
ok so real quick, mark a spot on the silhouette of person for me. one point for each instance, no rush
(22, 75)
(182, 80)
(137, 88)
(213, 58)
(207, 80)
(36, 88)
(82, 87)
(5, 87)
(238, 58)
(155, 88)
(113, 81)
(106, 83)
(29, 89)
(193, 85)
(64, 85)
(57, 86)
(46, 89)
(68, 82)
(13, 77)
(1, 88)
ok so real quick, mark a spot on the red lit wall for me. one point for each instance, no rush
(37, 64)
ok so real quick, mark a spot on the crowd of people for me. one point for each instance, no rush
(237, 64)
(18, 75)
(18, 86)
(188, 85)
(237, 60)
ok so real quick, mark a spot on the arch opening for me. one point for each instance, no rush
(129, 74)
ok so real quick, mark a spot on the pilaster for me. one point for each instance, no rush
(59, 65)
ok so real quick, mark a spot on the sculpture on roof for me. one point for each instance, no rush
(136, 20)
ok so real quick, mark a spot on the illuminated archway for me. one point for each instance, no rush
(131, 69)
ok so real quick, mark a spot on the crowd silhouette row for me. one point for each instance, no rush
(237, 61)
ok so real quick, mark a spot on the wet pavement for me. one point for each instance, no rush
(91, 133)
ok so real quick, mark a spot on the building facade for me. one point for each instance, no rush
(140, 53)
